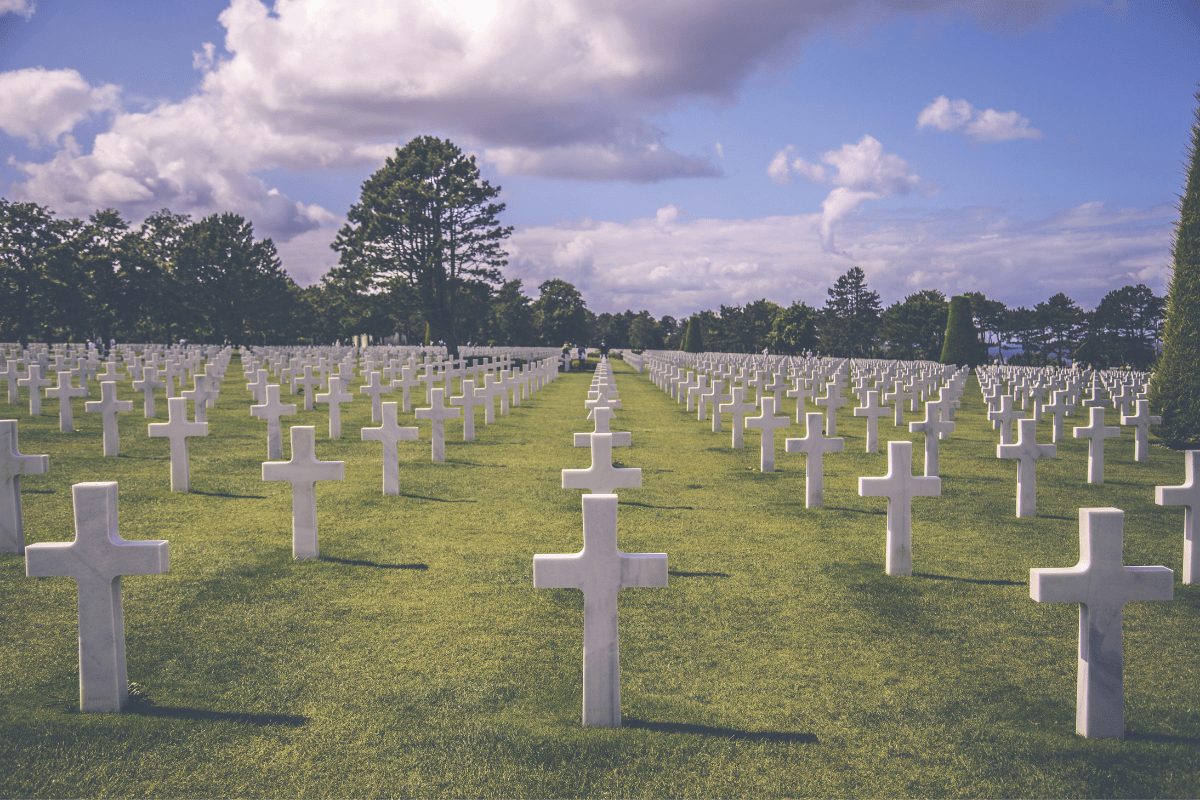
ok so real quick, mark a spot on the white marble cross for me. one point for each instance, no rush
(303, 471)
(200, 394)
(1141, 432)
(602, 477)
(1004, 417)
(12, 374)
(899, 486)
(406, 382)
(258, 386)
(873, 411)
(1186, 495)
(1095, 432)
(375, 389)
(1102, 585)
(108, 405)
(146, 386)
(468, 400)
(801, 389)
(307, 382)
(271, 411)
(177, 429)
(1058, 409)
(710, 396)
(833, 400)
(897, 396)
(738, 407)
(814, 445)
(1027, 451)
(602, 416)
(97, 559)
(335, 397)
(64, 391)
(388, 435)
(437, 414)
(600, 570)
(695, 390)
(934, 428)
(767, 421)
(12, 466)
(489, 391)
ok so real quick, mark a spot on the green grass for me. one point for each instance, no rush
(416, 659)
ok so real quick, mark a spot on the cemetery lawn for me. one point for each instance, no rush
(415, 658)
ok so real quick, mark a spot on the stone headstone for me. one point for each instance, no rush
(97, 559)
(303, 471)
(1141, 422)
(12, 466)
(814, 445)
(899, 486)
(1102, 585)
(271, 411)
(1095, 432)
(177, 429)
(602, 477)
(335, 397)
(768, 421)
(1027, 451)
(437, 414)
(600, 570)
(107, 406)
(1186, 495)
(35, 382)
(389, 434)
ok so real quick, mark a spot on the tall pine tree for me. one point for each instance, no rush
(1175, 387)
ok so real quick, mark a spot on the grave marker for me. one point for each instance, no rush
(303, 471)
(602, 477)
(64, 391)
(335, 397)
(271, 411)
(767, 421)
(108, 405)
(1095, 432)
(899, 486)
(738, 407)
(1027, 451)
(1186, 495)
(97, 559)
(177, 429)
(600, 570)
(814, 445)
(388, 434)
(34, 380)
(1102, 585)
(437, 414)
(12, 466)
(1141, 422)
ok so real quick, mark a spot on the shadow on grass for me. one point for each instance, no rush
(234, 496)
(647, 505)
(261, 720)
(457, 463)
(1163, 738)
(36, 491)
(435, 499)
(1056, 516)
(987, 581)
(726, 733)
(679, 574)
(356, 562)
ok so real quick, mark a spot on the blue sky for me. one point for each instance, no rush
(670, 156)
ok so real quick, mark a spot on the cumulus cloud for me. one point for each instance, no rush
(1084, 251)
(554, 88)
(864, 172)
(978, 126)
(22, 8)
(40, 105)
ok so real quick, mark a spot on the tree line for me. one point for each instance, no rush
(421, 257)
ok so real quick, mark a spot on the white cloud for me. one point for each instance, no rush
(702, 263)
(558, 88)
(40, 105)
(864, 172)
(978, 126)
(22, 8)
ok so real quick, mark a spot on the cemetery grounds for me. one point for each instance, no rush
(415, 658)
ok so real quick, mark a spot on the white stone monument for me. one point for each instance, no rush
(12, 466)
(468, 400)
(437, 414)
(177, 429)
(738, 408)
(600, 570)
(1027, 451)
(871, 409)
(1186, 495)
(1102, 585)
(303, 471)
(1141, 422)
(768, 421)
(108, 405)
(899, 486)
(271, 411)
(602, 477)
(34, 380)
(335, 397)
(814, 445)
(64, 391)
(388, 435)
(1096, 432)
(96, 560)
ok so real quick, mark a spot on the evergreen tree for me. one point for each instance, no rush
(693, 340)
(850, 317)
(1175, 387)
(962, 342)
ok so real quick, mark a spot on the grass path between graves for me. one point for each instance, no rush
(414, 658)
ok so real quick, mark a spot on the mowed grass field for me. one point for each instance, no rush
(415, 658)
